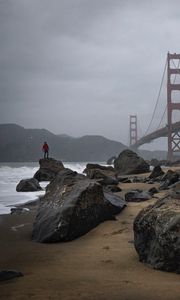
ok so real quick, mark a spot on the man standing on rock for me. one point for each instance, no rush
(45, 149)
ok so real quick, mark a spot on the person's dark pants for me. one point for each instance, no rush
(46, 154)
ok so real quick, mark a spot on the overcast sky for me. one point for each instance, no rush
(83, 66)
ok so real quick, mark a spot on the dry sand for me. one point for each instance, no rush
(101, 265)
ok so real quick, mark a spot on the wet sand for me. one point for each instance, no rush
(101, 265)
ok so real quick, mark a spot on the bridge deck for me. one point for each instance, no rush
(163, 132)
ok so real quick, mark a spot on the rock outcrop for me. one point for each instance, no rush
(157, 235)
(48, 170)
(137, 196)
(128, 162)
(73, 204)
(28, 185)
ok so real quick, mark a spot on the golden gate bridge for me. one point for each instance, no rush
(172, 129)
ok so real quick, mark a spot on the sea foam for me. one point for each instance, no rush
(12, 173)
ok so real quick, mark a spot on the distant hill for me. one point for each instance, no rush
(20, 145)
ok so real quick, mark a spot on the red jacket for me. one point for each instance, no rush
(45, 147)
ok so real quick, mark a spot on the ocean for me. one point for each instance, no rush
(12, 173)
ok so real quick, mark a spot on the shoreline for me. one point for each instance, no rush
(100, 265)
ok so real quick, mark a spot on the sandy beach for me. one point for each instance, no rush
(101, 265)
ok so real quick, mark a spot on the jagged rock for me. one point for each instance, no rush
(73, 205)
(28, 185)
(48, 170)
(128, 162)
(113, 188)
(113, 205)
(137, 196)
(110, 161)
(157, 172)
(9, 274)
(168, 179)
(157, 237)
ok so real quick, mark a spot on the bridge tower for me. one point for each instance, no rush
(133, 130)
(173, 138)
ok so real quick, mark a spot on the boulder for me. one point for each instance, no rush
(153, 190)
(157, 172)
(157, 236)
(113, 205)
(73, 205)
(128, 162)
(9, 274)
(48, 170)
(28, 185)
(137, 196)
(104, 177)
(99, 167)
(168, 179)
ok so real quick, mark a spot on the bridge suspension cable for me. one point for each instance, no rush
(165, 110)
(157, 100)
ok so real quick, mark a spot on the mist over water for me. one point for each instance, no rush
(12, 173)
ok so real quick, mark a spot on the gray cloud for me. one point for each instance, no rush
(82, 67)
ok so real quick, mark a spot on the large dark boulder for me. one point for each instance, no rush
(28, 185)
(128, 162)
(157, 235)
(48, 170)
(72, 205)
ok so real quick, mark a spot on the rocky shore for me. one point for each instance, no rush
(104, 262)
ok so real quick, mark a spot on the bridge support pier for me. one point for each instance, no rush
(133, 130)
(173, 137)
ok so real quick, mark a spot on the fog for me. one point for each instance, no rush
(82, 67)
